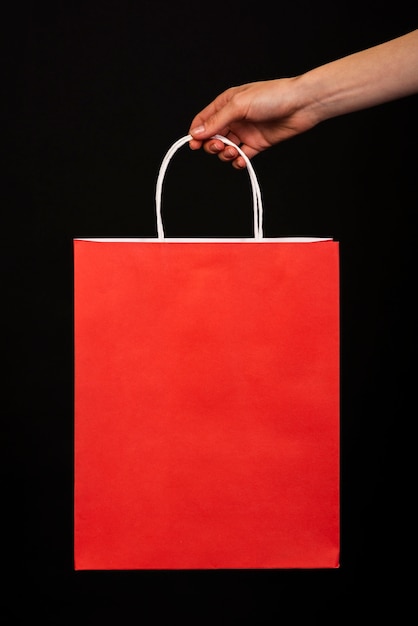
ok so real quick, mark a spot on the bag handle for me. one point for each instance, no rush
(257, 205)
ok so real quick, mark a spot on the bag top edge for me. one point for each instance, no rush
(203, 239)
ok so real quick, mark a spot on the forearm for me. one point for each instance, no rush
(373, 76)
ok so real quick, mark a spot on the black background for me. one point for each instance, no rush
(94, 95)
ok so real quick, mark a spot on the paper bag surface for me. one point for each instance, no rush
(206, 404)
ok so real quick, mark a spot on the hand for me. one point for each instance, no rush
(258, 115)
(255, 116)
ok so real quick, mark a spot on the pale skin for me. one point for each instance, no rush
(258, 115)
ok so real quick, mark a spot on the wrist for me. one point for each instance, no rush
(320, 97)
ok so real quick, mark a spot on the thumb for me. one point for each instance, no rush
(216, 124)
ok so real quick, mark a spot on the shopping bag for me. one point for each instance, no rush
(206, 400)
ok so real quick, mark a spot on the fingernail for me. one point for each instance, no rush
(214, 148)
(198, 130)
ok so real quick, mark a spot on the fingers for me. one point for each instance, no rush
(210, 146)
(195, 144)
(225, 152)
(230, 154)
(216, 119)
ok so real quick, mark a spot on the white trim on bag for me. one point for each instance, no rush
(204, 239)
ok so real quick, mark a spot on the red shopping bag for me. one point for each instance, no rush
(206, 401)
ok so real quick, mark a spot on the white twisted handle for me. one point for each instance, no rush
(257, 204)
